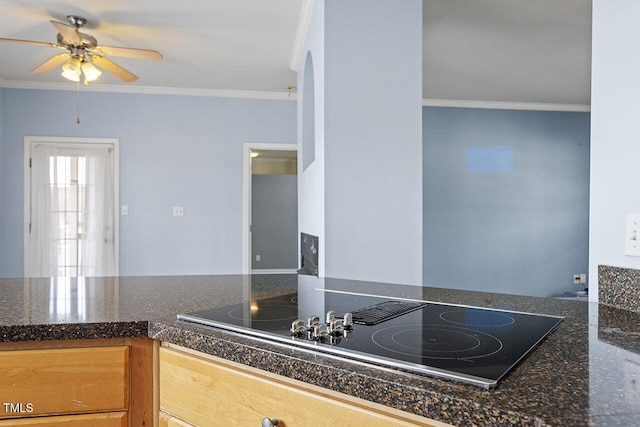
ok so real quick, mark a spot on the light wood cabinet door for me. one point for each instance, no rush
(64, 381)
(206, 391)
(167, 420)
(114, 419)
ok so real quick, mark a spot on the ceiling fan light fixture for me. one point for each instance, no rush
(90, 71)
(82, 50)
(71, 70)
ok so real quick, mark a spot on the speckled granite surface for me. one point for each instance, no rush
(619, 287)
(568, 380)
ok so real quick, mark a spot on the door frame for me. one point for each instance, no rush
(78, 142)
(246, 193)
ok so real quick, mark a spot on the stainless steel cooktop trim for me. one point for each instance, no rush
(349, 354)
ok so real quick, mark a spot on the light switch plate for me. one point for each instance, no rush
(632, 235)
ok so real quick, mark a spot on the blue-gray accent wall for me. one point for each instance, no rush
(174, 150)
(523, 231)
(520, 231)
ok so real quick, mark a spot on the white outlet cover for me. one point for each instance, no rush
(178, 211)
(632, 235)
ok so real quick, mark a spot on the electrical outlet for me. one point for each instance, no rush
(632, 235)
(178, 211)
(125, 210)
(257, 257)
(576, 279)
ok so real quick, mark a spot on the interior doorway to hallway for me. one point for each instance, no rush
(270, 208)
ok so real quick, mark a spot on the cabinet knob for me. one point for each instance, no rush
(269, 422)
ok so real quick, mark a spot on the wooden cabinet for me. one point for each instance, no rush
(64, 381)
(202, 390)
(113, 419)
(82, 383)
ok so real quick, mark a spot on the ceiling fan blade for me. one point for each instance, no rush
(68, 32)
(114, 69)
(129, 52)
(29, 42)
(52, 63)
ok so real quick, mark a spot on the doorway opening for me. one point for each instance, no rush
(270, 208)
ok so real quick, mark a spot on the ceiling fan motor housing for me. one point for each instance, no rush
(87, 41)
(76, 21)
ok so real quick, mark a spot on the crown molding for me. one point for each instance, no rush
(150, 90)
(497, 105)
(304, 21)
(280, 96)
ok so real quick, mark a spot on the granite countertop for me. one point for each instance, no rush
(586, 373)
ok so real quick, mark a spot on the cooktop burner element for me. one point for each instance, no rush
(470, 344)
(477, 317)
(437, 342)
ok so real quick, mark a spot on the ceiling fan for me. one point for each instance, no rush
(83, 51)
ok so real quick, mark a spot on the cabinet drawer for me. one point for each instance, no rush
(201, 392)
(115, 419)
(63, 381)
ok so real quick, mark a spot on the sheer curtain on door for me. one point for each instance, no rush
(72, 211)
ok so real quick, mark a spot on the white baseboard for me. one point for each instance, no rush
(274, 271)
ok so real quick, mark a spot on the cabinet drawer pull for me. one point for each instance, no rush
(269, 422)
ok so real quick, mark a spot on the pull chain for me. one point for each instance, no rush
(78, 102)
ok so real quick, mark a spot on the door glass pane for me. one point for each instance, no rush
(67, 207)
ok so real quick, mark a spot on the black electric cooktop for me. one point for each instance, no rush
(470, 344)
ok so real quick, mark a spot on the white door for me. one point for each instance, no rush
(71, 195)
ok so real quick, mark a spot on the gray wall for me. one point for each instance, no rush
(523, 231)
(615, 154)
(311, 177)
(274, 206)
(372, 140)
(174, 150)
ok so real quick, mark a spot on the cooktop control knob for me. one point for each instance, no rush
(336, 327)
(320, 331)
(334, 340)
(330, 316)
(313, 321)
(297, 327)
(347, 321)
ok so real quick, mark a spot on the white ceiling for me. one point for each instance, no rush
(536, 51)
(516, 51)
